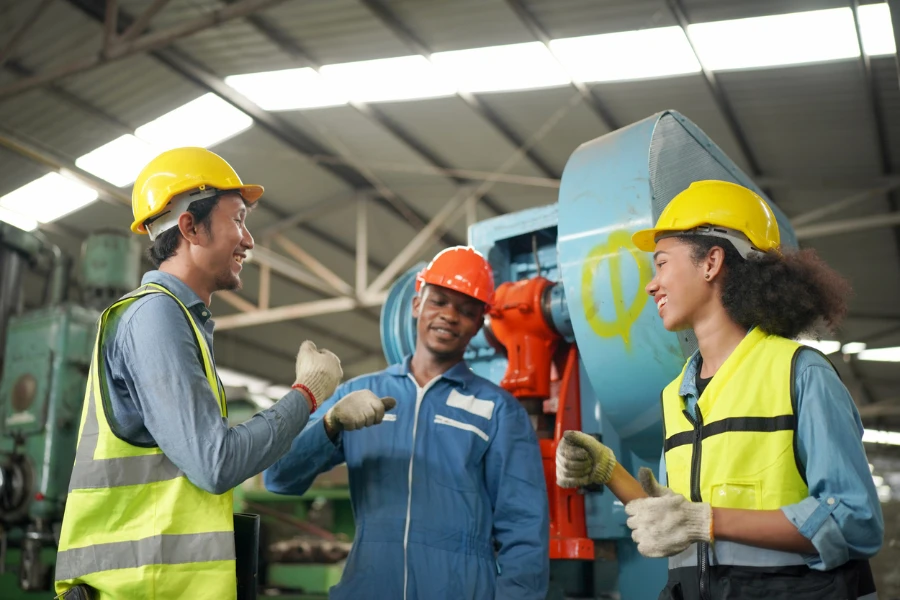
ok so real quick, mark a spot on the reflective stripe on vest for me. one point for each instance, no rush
(134, 525)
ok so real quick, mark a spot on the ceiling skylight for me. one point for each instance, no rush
(291, 89)
(119, 161)
(875, 436)
(790, 39)
(891, 354)
(660, 52)
(47, 198)
(876, 30)
(17, 220)
(388, 79)
(203, 122)
(501, 68)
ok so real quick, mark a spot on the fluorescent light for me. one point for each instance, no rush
(119, 161)
(659, 52)
(876, 30)
(291, 89)
(388, 79)
(501, 68)
(203, 122)
(853, 348)
(873, 436)
(17, 220)
(891, 354)
(823, 346)
(795, 38)
(48, 198)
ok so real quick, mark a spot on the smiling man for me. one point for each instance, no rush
(149, 511)
(448, 491)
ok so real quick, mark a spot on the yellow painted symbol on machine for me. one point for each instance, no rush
(611, 251)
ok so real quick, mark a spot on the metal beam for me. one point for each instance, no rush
(362, 245)
(894, 7)
(110, 27)
(877, 119)
(290, 269)
(338, 285)
(279, 128)
(833, 207)
(19, 33)
(297, 51)
(145, 43)
(405, 35)
(847, 226)
(721, 100)
(297, 311)
(590, 97)
(140, 25)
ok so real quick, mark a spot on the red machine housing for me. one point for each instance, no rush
(521, 324)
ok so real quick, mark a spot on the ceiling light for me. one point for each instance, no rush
(659, 52)
(823, 346)
(291, 89)
(501, 68)
(853, 348)
(776, 40)
(876, 30)
(874, 436)
(17, 220)
(118, 162)
(203, 122)
(48, 198)
(891, 354)
(388, 79)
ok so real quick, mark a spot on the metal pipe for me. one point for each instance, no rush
(11, 263)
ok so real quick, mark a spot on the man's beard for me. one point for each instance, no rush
(227, 280)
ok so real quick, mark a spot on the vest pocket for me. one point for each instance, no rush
(737, 494)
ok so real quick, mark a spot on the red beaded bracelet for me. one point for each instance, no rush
(312, 398)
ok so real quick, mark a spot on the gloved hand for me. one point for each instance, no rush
(319, 370)
(356, 410)
(666, 523)
(582, 460)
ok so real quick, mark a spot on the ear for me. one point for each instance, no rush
(188, 227)
(416, 304)
(713, 263)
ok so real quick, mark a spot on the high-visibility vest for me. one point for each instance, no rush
(739, 450)
(135, 527)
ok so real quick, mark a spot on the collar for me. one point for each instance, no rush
(689, 380)
(181, 290)
(459, 373)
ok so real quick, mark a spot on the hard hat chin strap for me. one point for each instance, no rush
(740, 241)
(176, 206)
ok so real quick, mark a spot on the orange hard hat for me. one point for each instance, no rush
(461, 268)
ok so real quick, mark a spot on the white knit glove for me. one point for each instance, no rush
(582, 460)
(358, 409)
(666, 523)
(318, 370)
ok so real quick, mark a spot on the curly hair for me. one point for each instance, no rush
(783, 294)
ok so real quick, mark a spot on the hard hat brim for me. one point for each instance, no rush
(251, 194)
(645, 239)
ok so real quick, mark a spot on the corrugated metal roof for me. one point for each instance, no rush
(884, 72)
(573, 18)
(461, 24)
(62, 34)
(703, 11)
(335, 31)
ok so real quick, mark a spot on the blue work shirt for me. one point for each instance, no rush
(842, 515)
(452, 472)
(159, 394)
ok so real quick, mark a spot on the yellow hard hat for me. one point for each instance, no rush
(717, 208)
(180, 170)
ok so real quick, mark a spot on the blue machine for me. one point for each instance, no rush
(611, 187)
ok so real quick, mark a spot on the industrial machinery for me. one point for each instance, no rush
(44, 358)
(573, 336)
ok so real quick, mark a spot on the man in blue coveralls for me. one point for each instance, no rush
(448, 490)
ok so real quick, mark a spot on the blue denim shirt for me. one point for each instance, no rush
(159, 395)
(842, 515)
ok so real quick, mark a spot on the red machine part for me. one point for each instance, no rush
(519, 323)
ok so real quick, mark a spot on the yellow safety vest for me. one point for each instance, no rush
(739, 452)
(135, 527)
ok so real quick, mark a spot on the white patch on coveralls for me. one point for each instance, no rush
(476, 406)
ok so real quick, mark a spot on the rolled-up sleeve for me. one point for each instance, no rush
(160, 367)
(842, 515)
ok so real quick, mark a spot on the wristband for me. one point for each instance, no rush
(312, 398)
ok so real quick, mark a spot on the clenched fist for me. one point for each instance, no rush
(582, 460)
(356, 410)
(319, 370)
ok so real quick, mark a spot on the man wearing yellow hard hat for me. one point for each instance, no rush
(149, 510)
(769, 491)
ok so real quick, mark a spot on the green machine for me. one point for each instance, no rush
(44, 358)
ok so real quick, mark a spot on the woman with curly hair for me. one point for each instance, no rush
(769, 491)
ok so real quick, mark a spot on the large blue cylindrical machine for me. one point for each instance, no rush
(571, 290)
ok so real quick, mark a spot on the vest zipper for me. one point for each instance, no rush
(696, 496)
